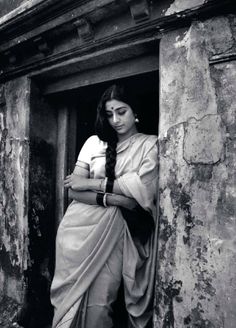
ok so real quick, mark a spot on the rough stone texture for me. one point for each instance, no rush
(27, 221)
(219, 41)
(196, 282)
(37, 311)
(180, 5)
(188, 74)
(14, 154)
(8, 309)
(204, 140)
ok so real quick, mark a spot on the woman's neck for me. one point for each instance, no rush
(123, 137)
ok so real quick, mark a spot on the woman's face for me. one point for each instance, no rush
(121, 117)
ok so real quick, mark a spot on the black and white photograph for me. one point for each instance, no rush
(117, 164)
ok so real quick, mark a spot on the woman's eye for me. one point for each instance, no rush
(122, 112)
(109, 115)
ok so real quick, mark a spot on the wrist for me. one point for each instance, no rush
(102, 185)
(99, 184)
(94, 184)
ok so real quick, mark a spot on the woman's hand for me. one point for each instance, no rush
(129, 203)
(76, 182)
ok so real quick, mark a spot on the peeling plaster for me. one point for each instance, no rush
(13, 163)
(204, 140)
(219, 35)
(184, 70)
(224, 77)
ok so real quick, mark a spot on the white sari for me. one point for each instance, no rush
(89, 234)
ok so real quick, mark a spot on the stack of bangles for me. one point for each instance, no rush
(102, 196)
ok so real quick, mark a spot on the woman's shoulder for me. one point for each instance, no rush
(94, 141)
(146, 142)
(92, 145)
(147, 138)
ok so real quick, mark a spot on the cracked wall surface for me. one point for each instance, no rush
(196, 281)
(27, 159)
(14, 156)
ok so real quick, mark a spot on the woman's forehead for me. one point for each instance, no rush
(114, 104)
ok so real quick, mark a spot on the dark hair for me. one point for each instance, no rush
(104, 130)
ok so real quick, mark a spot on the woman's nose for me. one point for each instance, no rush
(115, 118)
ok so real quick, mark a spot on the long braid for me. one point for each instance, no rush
(111, 160)
(139, 222)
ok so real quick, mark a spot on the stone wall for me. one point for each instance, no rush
(28, 131)
(196, 282)
(14, 157)
(36, 310)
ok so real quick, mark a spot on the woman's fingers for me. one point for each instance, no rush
(67, 181)
(72, 181)
(75, 182)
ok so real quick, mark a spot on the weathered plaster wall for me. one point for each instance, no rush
(14, 153)
(196, 281)
(41, 216)
(28, 132)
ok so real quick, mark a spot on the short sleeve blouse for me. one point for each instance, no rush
(87, 150)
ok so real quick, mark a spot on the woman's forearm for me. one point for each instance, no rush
(90, 197)
(86, 197)
(99, 184)
(79, 182)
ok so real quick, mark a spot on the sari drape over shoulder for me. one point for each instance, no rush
(88, 234)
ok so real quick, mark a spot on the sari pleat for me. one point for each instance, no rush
(80, 316)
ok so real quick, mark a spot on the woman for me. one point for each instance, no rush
(98, 244)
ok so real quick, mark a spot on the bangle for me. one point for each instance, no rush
(99, 198)
(109, 185)
(105, 200)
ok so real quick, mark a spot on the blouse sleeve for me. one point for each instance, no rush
(86, 151)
